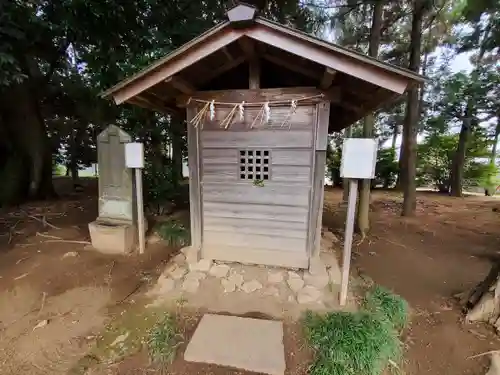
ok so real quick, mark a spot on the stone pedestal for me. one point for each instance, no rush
(113, 238)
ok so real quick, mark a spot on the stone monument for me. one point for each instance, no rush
(115, 229)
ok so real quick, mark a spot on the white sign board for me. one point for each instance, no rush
(134, 155)
(359, 156)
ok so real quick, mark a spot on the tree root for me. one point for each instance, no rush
(495, 364)
(482, 303)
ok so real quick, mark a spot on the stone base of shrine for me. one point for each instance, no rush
(113, 238)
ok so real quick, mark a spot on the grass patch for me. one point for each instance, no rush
(360, 343)
(163, 340)
(388, 306)
(173, 232)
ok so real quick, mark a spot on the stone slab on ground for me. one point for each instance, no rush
(259, 346)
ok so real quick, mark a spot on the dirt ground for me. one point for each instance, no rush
(49, 279)
(427, 259)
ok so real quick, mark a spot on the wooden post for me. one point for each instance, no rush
(140, 209)
(254, 73)
(349, 229)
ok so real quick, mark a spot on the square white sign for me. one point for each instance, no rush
(359, 156)
(134, 155)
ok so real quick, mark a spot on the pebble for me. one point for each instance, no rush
(196, 275)
(308, 294)
(179, 259)
(190, 285)
(251, 286)
(228, 286)
(236, 279)
(318, 281)
(203, 265)
(295, 284)
(219, 270)
(275, 277)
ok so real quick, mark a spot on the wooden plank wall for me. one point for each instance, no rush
(195, 199)
(318, 178)
(267, 225)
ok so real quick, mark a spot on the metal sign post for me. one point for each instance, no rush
(134, 158)
(359, 156)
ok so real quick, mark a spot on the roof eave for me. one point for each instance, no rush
(109, 92)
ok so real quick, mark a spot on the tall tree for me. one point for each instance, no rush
(484, 23)
(369, 122)
(409, 148)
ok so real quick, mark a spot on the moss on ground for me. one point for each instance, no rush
(130, 332)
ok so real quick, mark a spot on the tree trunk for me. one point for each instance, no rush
(457, 167)
(369, 123)
(75, 178)
(409, 152)
(22, 116)
(491, 188)
(177, 143)
(395, 133)
(468, 123)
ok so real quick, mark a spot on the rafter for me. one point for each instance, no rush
(291, 66)
(181, 84)
(224, 68)
(150, 102)
(327, 79)
(228, 54)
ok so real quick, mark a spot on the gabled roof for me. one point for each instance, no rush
(226, 46)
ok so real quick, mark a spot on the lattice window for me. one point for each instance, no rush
(255, 165)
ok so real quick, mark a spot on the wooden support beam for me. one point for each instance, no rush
(250, 51)
(180, 84)
(327, 79)
(254, 73)
(291, 66)
(351, 107)
(224, 68)
(248, 47)
(147, 101)
(228, 54)
(334, 94)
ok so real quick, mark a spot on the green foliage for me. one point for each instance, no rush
(173, 232)
(258, 183)
(163, 340)
(160, 182)
(333, 159)
(388, 306)
(481, 174)
(387, 168)
(435, 158)
(360, 343)
(351, 343)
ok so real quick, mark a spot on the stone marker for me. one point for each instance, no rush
(114, 230)
(258, 347)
